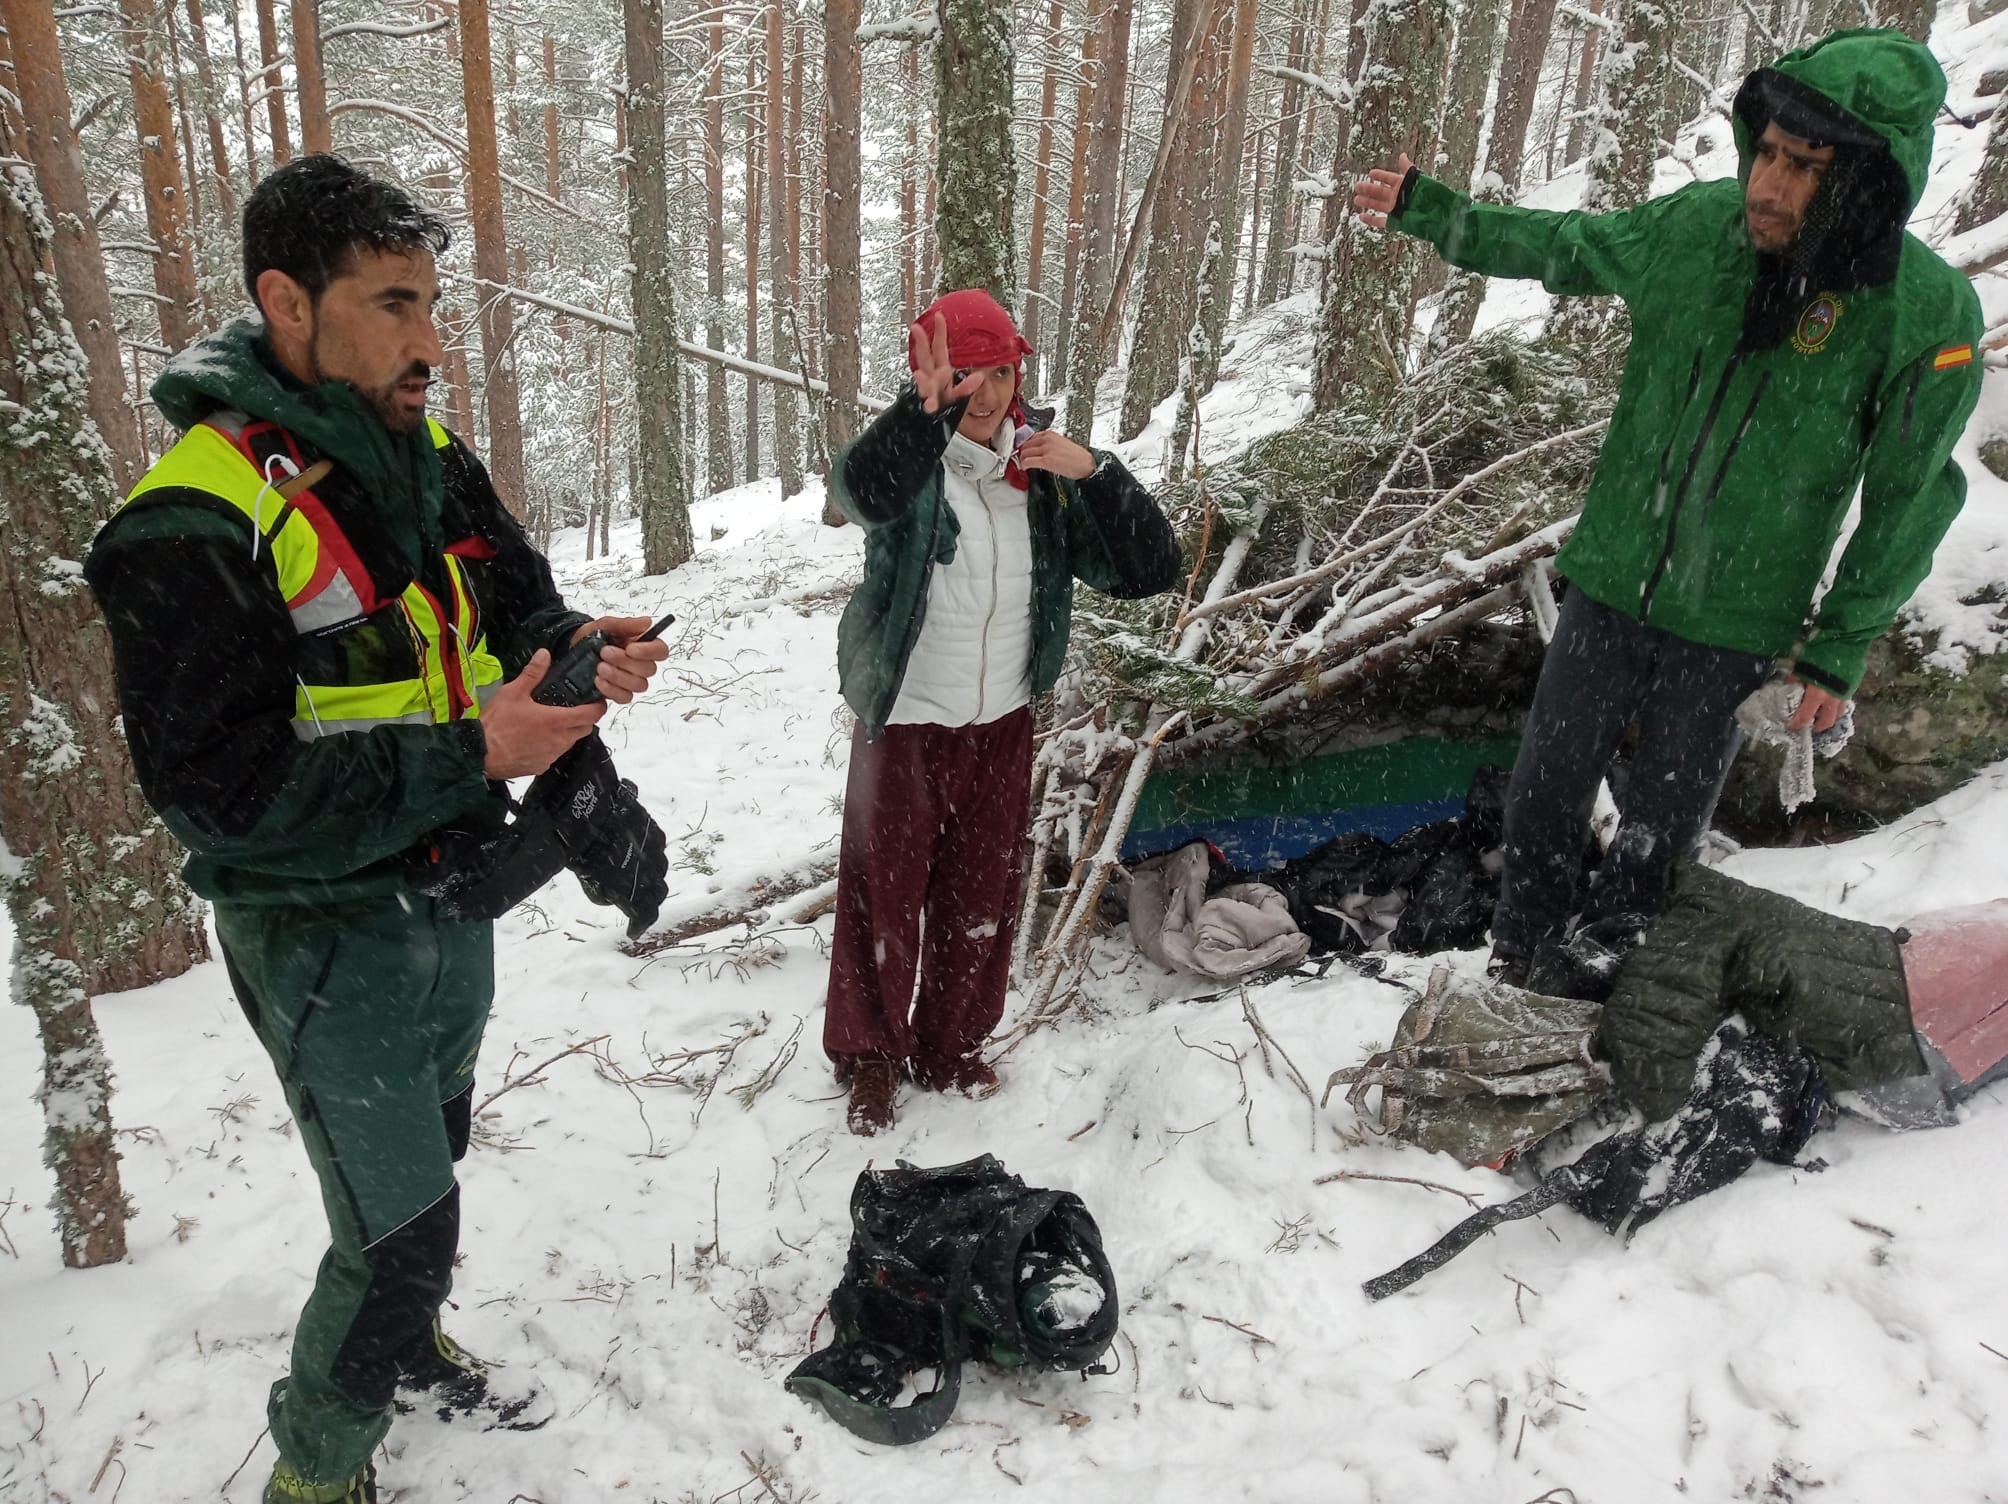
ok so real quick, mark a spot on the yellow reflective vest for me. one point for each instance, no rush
(362, 661)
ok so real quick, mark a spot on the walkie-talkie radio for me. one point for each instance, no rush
(571, 679)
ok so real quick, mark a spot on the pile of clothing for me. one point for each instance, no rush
(1429, 890)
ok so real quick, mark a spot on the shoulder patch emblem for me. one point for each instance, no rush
(1954, 355)
(1816, 323)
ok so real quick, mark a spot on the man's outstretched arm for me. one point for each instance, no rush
(1568, 253)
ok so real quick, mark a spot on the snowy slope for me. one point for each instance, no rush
(660, 1250)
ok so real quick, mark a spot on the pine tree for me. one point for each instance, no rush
(317, 131)
(148, 64)
(91, 884)
(1035, 320)
(270, 63)
(1363, 320)
(1088, 355)
(841, 237)
(717, 408)
(976, 163)
(780, 294)
(491, 259)
(1277, 260)
(1987, 196)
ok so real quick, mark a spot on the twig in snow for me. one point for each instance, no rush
(1881, 1232)
(1247, 1331)
(753, 1090)
(247, 1457)
(1997, 1352)
(583, 1047)
(6, 1242)
(111, 1456)
(1521, 1287)
(1081, 1130)
(1268, 1042)
(1428, 1185)
(90, 1383)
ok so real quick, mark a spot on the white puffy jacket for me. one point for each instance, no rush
(973, 660)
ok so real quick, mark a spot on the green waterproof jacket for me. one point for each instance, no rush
(1727, 474)
(209, 659)
(1105, 530)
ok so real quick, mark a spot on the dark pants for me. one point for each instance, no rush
(372, 1013)
(1603, 670)
(928, 885)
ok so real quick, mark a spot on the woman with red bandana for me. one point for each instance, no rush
(977, 522)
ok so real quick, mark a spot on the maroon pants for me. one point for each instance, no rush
(928, 882)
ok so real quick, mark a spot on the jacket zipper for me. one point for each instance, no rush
(920, 607)
(1686, 480)
(990, 617)
(1735, 443)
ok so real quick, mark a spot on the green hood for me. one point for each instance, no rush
(1879, 79)
(235, 368)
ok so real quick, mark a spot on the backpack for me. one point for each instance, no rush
(1479, 1071)
(965, 1261)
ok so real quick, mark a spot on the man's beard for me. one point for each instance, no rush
(392, 413)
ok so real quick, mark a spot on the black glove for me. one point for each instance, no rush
(483, 874)
(618, 853)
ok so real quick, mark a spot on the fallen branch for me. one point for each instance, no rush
(582, 1047)
(747, 904)
(1428, 1185)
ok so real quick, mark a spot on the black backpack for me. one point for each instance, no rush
(948, 1264)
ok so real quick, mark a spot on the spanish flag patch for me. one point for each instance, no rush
(1956, 355)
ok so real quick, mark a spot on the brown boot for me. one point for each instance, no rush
(873, 1085)
(971, 1075)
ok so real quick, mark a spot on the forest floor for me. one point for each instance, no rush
(1836, 1336)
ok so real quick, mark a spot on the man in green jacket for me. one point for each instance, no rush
(327, 631)
(1790, 342)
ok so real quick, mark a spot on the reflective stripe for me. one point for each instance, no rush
(325, 585)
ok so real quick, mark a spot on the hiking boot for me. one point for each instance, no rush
(873, 1086)
(972, 1075)
(288, 1487)
(1506, 969)
(438, 1375)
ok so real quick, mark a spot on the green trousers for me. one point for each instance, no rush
(372, 1013)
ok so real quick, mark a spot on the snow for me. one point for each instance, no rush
(1838, 1336)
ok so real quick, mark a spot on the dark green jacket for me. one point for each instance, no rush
(206, 650)
(1832, 986)
(1105, 530)
(1726, 475)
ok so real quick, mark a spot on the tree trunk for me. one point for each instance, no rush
(248, 114)
(754, 188)
(1226, 207)
(787, 442)
(92, 883)
(1463, 114)
(1519, 81)
(1625, 144)
(80, 261)
(1277, 259)
(717, 406)
(554, 182)
(1363, 322)
(1042, 174)
(664, 501)
(909, 191)
(977, 161)
(219, 153)
(1164, 309)
(317, 131)
(840, 230)
(1586, 83)
(271, 83)
(1103, 203)
(1913, 17)
(160, 172)
(491, 259)
(1077, 186)
(1986, 197)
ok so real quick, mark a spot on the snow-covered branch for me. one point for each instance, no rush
(1569, 11)
(1339, 93)
(385, 29)
(922, 28)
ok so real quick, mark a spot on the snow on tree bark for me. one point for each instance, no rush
(1986, 197)
(1226, 206)
(53, 147)
(1171, 272)
(1202, 355)
(976, 161)
(1625, 141)
(754, 190)
(1035, 321)
(717, 406)
(1586, 83)
(219, 152)
(269, 83)
(91, 877)
(1363, 321)
(1276, 260)
(491, 259)
(664, 500)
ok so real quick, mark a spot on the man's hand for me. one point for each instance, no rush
(525, 738)
(626, 667)
(1374, 199)
(933, 375)
(1819, 709)
(1049, 450)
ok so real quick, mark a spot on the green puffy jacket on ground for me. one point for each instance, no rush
(1832, 986)
(1105, 530)
(1727, 473)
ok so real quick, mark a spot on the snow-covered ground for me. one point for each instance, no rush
(1839, 1336)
